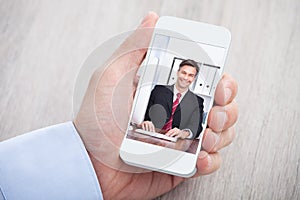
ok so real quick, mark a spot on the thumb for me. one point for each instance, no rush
(136, 45)
(128, 56)
(114, 89)
(112, 99)
(132, 51)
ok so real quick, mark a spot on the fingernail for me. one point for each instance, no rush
(145, 18)
(205, 155)
(227, 94)
(209, 161)
(154, 15)
(221, 120)
(210, 141)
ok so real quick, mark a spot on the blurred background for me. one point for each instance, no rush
(43, 44)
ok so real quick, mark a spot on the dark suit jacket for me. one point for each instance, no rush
(188, 114)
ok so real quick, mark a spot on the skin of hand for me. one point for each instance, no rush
(102, 130)
(176, 132)
(148, 126)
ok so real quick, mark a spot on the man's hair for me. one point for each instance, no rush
(191, 63)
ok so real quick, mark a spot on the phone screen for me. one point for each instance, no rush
(169, 69)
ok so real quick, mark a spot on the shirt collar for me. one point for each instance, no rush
(175, 91)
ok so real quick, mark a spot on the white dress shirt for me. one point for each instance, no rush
(50, 163)
(175, 91)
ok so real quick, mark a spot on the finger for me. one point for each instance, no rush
(109, 96)
(152, 127)
(226, 90)
(207, 163)
(169, 132)
(222, 117)
(129, 55)
(143, 126)
(147, 127)
(213, 142)
(177, 132)
(174, 134)
(137, 43)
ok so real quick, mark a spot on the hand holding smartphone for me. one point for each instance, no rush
(178, 79)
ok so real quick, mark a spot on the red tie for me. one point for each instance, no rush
(168, 125)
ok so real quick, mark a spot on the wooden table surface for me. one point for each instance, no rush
(44, 43)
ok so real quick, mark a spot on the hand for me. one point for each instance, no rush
(175, 132)
(148, 126)
(103, 117)
(221, 119)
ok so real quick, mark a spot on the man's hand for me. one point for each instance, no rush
(175, 132)
(104, 113)
(148, 126)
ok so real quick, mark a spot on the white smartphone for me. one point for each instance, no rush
(175, 93)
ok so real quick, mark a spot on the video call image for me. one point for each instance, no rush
(173, 97)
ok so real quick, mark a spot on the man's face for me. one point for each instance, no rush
(185, 76)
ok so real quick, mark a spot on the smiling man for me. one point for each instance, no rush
(174, 110)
